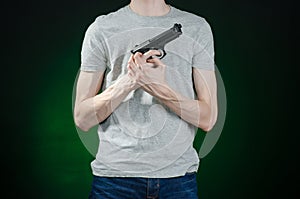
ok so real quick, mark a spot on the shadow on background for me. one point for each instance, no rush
(43, 156)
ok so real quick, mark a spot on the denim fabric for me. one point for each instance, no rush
(184, 187)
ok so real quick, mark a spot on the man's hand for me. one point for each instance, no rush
(146, 70)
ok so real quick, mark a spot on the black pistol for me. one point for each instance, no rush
(158, 42)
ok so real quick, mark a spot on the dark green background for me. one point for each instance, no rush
(42, 155)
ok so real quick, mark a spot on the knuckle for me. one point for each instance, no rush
(137, 54)
(130, 62)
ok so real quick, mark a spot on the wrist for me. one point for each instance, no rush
(127, 84)
(161, 91)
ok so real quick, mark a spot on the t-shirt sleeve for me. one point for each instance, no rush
(203, 57)
(93, 53)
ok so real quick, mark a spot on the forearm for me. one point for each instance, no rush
(106, 102)
(150, 75)
(196, 112)
(96, 109)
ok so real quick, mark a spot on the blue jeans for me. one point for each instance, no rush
(184, 187)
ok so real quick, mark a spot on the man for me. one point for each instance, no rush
(147, 112)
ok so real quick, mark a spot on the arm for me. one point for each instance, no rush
(206, 89)
(92, 108)
(201, 112)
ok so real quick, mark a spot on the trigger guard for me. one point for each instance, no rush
(162, 53)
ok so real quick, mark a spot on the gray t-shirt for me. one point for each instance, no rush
(143, 137)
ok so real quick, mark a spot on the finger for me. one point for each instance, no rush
(130, 61)
(129, 67)
(131, 73)
(131, 64)
(151, 53)
(139, 58)
(137, 55)
(156, 61)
